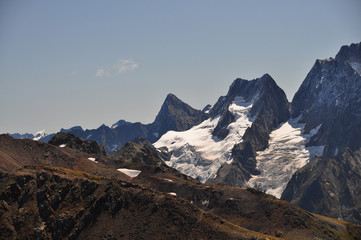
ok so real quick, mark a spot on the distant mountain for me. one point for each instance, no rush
(173, 115)
(39, 136)
(62, 139)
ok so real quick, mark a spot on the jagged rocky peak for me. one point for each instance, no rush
(175, 115)
(62, 139)
(350, 53)
(262, 94)
(329, 98)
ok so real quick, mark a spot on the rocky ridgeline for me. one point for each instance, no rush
(69, 140)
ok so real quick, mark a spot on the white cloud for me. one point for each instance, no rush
(100, 72)
(125, 65)
(121, 66)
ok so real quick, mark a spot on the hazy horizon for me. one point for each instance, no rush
(88, 63)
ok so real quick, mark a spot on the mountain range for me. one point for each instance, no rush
(306, 152)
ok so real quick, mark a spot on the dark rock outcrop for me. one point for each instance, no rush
(241, 168)
(139, 151)
(69, 140)
(329, 186)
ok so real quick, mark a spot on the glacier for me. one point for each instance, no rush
(199, 154)
(287, 152)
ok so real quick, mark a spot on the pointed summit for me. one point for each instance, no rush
(175, 115)
(268, 100)
(350, 53)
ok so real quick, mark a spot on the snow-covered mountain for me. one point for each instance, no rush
(239, 123)
(197, 152)
(39, 136)
(250, 138)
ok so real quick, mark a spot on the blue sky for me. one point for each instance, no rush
(67, 63)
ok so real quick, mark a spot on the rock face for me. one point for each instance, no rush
(139, 151)
(330, 98)
(329, 186)
(69, 140)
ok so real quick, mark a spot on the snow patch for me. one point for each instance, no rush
(156, 134)
(130, 172)
(92, 159)
(62, 145)
(356, 66)
(39, 135)
(89, 136)
(172, 193)
(169, 180)
(205, 202)
(287, 152)
(197, 153)
(114, 147)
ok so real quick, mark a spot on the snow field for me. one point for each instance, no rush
(285, 155)
(197, 153)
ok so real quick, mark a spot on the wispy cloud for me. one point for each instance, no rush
(121, 66)
(125, 65)
(100, 72)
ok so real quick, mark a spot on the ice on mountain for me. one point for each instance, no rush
(197, 153)
(287, 152)
(114, 147)
(356, 66)
(39, 135)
